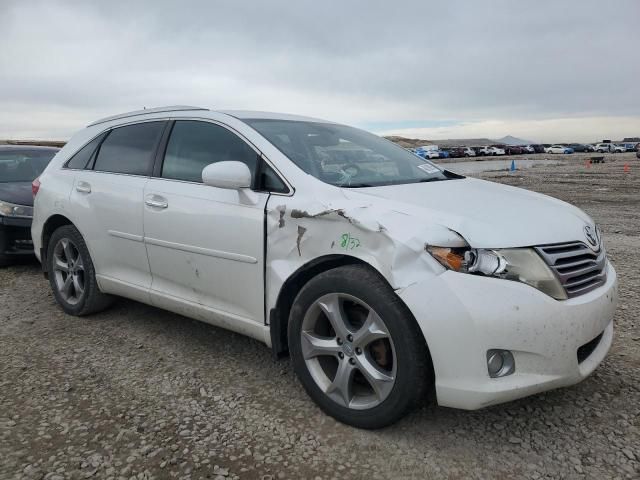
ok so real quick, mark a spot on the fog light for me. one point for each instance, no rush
(500, 363)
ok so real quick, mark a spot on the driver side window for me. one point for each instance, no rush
(194, 144)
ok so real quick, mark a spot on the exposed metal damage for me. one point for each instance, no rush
(378, 237)
(301, 231)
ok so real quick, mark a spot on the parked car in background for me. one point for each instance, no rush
(631, 147)
(19, 166)
(619, 148)
(484, 305)
(495, 151)
(558, 149)
(443, 154)
(456, 152)
(580, 147)
(528, 149)
(512, 149)
(537, 148)
(469, 152)
(605, 148)
(431, 154)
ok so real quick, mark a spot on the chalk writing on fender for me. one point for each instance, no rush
(348, 242)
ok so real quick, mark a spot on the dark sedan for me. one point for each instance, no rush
(538, 148)
(513, 150)
(456, 152)
(19, 166)
(580, 147)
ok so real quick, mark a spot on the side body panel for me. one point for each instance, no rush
(206, 246)
(109, 217)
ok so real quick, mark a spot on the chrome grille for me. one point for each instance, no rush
(577, 266)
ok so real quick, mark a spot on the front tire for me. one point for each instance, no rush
(72, 275)
(357, 349)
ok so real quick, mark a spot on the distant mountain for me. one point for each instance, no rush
(509, 140)
(408, 142)
(456, 142)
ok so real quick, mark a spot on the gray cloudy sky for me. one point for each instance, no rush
(542, 70)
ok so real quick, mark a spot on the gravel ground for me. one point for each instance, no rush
(136, 392)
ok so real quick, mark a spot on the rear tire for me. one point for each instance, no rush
(72, 275)
(348, 324)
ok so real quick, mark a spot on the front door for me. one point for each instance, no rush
(205, 244)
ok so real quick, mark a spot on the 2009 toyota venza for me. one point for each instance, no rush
(381, 274)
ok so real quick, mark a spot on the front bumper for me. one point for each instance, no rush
(15, 237)
(462, 316)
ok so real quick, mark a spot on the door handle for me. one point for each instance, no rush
(156, 201)
(83, 187)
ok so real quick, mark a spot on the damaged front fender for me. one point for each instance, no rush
(299, 232)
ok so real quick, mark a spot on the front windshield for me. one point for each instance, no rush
(346, 156)
(17, 165)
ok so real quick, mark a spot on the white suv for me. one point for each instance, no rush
(469, 152)
(491, 151)
(381, 274)
(609, 148)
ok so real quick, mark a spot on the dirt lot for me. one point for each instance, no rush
(136, 392)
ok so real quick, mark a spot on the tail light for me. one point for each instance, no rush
(35, 186)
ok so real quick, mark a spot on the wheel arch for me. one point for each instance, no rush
(51, 225)
(279, 314)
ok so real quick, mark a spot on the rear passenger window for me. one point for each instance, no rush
(193, 145)
(82, 158)
(129, 149)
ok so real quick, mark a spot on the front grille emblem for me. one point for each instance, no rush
(592, 235)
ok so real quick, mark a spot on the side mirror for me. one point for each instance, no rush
(232, 175)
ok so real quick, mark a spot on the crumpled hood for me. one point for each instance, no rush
(17, 192)
(486, 214)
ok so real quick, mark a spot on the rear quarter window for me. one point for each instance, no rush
(130, 149)
(82, 158)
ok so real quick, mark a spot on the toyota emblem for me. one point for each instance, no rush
(592, 235)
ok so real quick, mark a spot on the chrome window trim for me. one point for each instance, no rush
(243, 138)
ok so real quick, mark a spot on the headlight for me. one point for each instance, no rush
(518, 264)
(11, 210)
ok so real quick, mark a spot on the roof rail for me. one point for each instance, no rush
(171, 108)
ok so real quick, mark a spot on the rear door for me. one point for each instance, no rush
(205, 244)
(108, 201)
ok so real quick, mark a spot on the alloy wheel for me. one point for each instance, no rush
(348, 351)
(68, 271)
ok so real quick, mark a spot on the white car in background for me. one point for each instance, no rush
(606, 148)
(491, 151)
(528, 149)
(469, 152)
(557, 149)
(427, 151)
(381, 274)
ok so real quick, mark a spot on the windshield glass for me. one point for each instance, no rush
(23, 165)
(346, 156)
